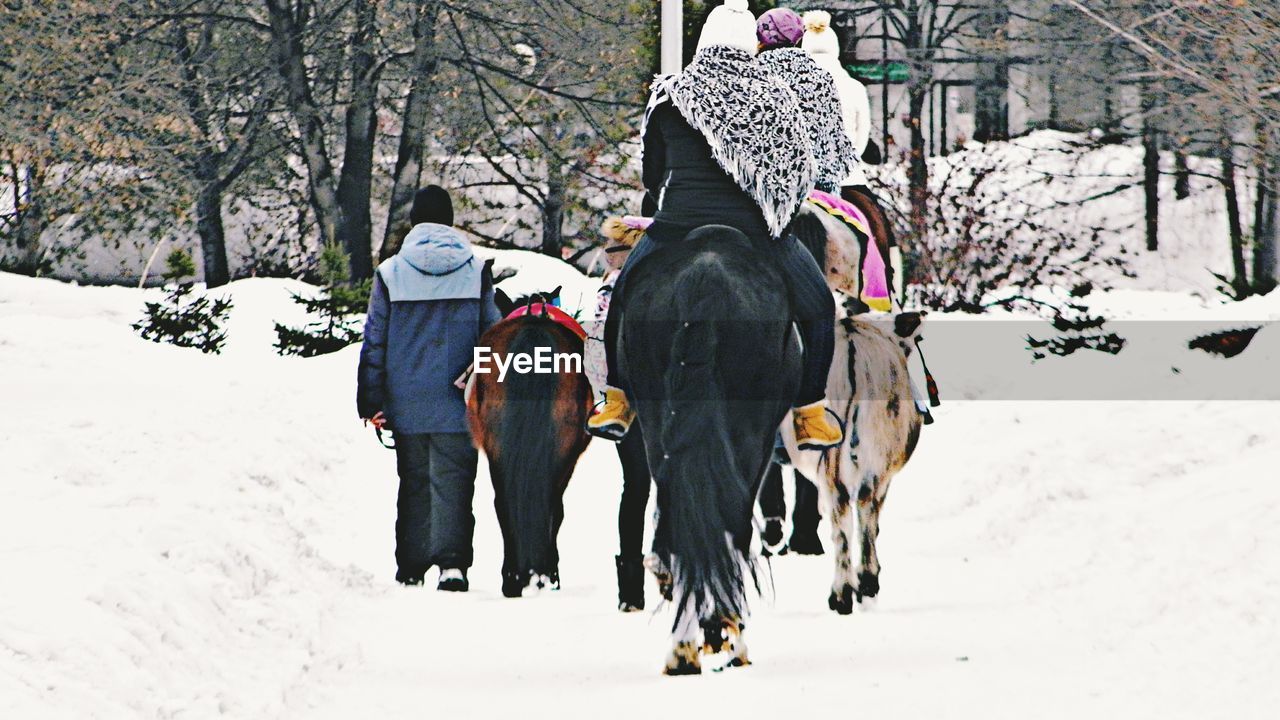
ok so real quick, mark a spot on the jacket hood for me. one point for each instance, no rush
(435, 249)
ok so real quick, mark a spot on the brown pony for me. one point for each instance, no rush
(530, 426)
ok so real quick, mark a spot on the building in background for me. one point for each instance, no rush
(992, 73)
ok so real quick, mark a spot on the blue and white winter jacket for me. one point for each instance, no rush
(429, 305)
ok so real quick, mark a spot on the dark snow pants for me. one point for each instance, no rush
(635, 494)
(434, 524)
(811, 302)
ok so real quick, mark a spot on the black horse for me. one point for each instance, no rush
(713, 365)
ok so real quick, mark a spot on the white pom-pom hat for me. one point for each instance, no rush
(819, 38)
(730, 24)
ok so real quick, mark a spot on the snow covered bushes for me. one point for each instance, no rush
(184, 318)
(998, 235)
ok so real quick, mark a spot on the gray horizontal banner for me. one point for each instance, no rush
(982, 359)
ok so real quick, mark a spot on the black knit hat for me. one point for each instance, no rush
(432, 205)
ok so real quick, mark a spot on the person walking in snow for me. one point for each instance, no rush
(430, 303)
(723, 144)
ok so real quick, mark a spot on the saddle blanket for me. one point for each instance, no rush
(875, 286)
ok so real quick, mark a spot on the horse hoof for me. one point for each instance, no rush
(771, 537)
(628, 607)
(683, 661)
(842, 602)
(513, 584)
(714, 638)
(805, 544)
(868, 585)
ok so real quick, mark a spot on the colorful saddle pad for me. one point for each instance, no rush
(875, 287)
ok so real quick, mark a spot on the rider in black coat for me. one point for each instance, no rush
(721, 174)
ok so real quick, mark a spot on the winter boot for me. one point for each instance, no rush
(613, 420)
(630, 583)
(410, 577)
(453, 580)
(814, 431)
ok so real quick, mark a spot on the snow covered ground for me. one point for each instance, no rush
(191, 536)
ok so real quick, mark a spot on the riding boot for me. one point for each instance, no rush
(614, 418)
(814, 429)
(630, 583)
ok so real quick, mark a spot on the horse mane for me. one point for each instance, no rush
(506, 304)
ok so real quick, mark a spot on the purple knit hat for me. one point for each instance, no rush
(780, 27)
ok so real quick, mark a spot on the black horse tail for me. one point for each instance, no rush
(707, 489)
(528, 464)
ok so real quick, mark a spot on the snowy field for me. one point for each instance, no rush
(192, 536)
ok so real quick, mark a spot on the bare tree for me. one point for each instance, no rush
(226, 101)
(340, 200)
(413, 127)
(1220, 59)
(546, 97)
(80, 106)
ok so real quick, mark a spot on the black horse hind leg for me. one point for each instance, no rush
(513, 579)
(804, 519)
(773, 506)
(552, 573)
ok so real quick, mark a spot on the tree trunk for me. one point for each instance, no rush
(1151, 172)
(31, 222)
(1226, 151)
(413, 127)
(1055, 114)
(1265, 230)
(553, 210)
(290, 54)
(991, 84)
(213, 243)
(355, 184)
(203, 166)
(1181, 174)
(918, 170)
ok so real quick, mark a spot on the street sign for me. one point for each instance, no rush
(897, 72)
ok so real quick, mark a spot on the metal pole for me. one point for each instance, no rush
(672, 35)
